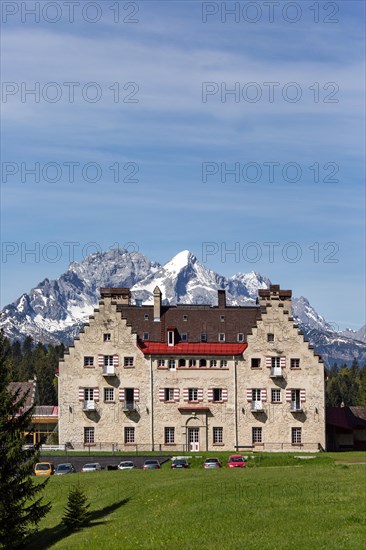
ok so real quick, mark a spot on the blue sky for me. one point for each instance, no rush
(165, 129)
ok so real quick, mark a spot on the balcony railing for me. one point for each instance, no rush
(296, 406)
(109, 370)
(130, 406)
(276, 372)
(257, 406)
(89, 406)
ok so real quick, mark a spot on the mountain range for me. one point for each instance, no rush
(55, 310)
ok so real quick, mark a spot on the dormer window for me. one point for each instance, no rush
(185, 317)
(240, 337)
(145, 336)
(203, 337)
(170, 337)
(222, 337)
(222, 318)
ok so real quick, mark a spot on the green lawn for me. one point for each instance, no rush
(315, 504)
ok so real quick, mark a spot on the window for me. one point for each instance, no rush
(276, 396)
(213, 363)
(217, 394)
(169, 435)
(192, 363)
(129, 435)
(128, 362)
(275, 362)
(203, 363)
(88, 361)
(203, 337)
(184, 337)
(222, 337)
(255, 363)
(182, 363)
(89, 394)
(170, 337)
(295, 400)
(107, 337)
(256, 394)
(223, 364)
(270, 337)
(295, 363)
(146, 317)
(88, 436)
(185, 317)
(145, 336)
(296, 436)
(161, 362)
(256, 435)
(171, 364)
(240, 337)
(109, 394)
(193, 394)
(222, 318)
(108, 360)
(168, 394)
(217, 435)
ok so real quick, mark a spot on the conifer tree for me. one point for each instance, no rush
(76, 514)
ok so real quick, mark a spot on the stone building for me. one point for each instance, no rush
(192, 377)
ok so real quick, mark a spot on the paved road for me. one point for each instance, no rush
(104, 461)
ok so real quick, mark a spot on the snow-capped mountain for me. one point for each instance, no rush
(55, 310)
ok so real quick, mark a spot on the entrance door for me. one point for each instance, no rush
(193, 439)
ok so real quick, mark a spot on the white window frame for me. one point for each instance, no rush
(169, 435)
(170, 337)
(275, 362)
(172, 364)
(108, 360)
(241, 337)
(161, 362)
(223, 364)
(217, 435)
(108, 395)
(193, 394)
(88, 361)
(296, 436)
(221, 336)
(129, 435)
(219, 394)
(107, 337)
(88, 394)
(168, 394)
(257, 435)
(89, 435)
(295, 363)
(276, 393)
(192, 363)
(213, 363)
(256, 394)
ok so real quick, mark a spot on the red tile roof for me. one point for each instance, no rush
(160, 348)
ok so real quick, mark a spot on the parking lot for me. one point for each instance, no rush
(105, 461)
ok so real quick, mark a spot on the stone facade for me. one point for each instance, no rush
(201, 383)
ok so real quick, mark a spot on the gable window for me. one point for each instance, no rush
(217, 394)
(107, 337)
(255, 363)
(129, 434)
(240, 337)
(203, 363)
(193, 394)
(217, 435)
(203, 337)
(171, 364)
(270, 337)
(108, 394)
(169, 435)
(185, 317)
(223, 363)
(295, 363)
(256, 435)
(213, 363)
(184, 337)
(145, 336)
(108, 360)
(146, 317)
(88, 361)
(276, 395)
(192, 363)
(169, 394)
(181, 363)
(89, 436)
(128, 361)
(296, 436)
(161, 362)
(222, 318)
(222, 337)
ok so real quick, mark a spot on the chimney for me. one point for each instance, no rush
(221, 298)
(157, 304)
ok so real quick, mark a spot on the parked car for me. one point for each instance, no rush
(151, 465)
(62, 469)
(236, 461)
(126, 465)
(212, 463)
(44, 469)
(179, 463)
(94, 467)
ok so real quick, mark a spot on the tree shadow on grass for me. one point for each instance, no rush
(50, 536)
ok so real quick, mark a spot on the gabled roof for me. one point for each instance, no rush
(346, 418)
(23, 388)
(161, 348)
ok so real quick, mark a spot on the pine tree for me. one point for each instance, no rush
(21, 506)
(76, 514)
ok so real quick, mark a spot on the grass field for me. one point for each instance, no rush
(278, 502)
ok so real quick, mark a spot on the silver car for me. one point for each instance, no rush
(126, 465)
(63, 469)
(94, 467)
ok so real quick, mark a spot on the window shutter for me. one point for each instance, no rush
(161, 394)
(282, 362)
(302, 396)
(100, 360)
(224, 394)
(176, 394)
(268, 362)
(288, 395)
(115, 360)
(185, 394)
(81, 394)
(249, 395)
(136, 394)
(121, 394)
(210, 394)
(200, 394)
(96, 394)
(263, 394)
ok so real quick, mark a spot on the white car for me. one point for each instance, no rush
(126, 465)
(94, 467)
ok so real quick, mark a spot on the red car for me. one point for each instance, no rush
(236, 461)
